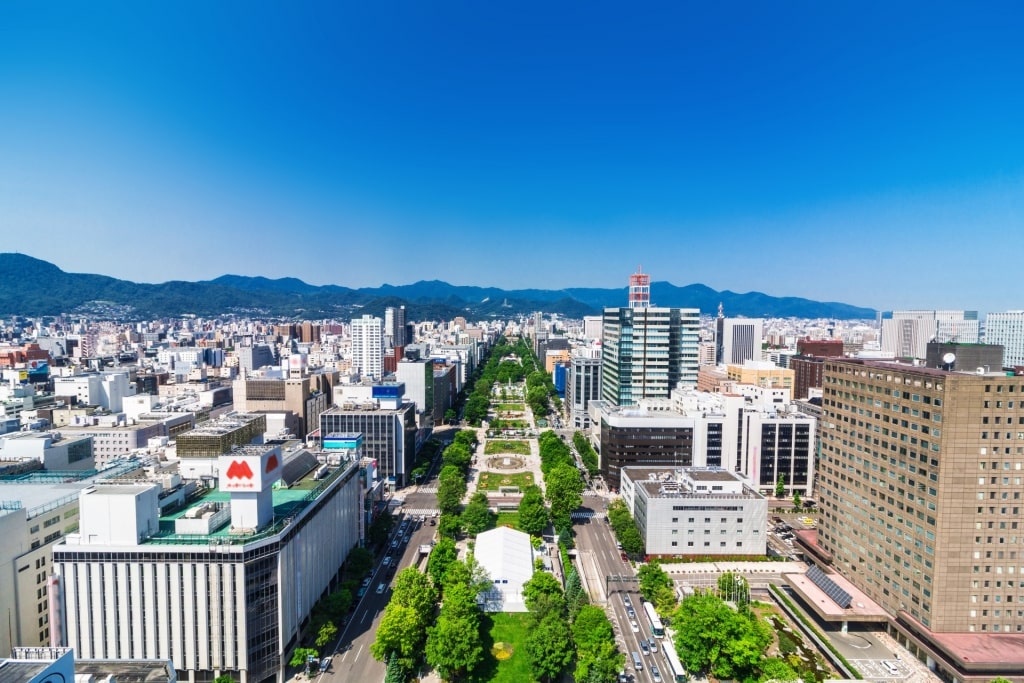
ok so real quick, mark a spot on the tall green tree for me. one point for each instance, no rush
(458, 455)
(301, 655)
(414, 589)
(549, 647)
(797, 501)
(564, 492)
(652, 578)
(533, 514)
(450, 489)
(453, 646)
(401, 633)
(441, 557)
(327, 633)
(780, 486)
(713, 638)
(394, 673)
(477, 515)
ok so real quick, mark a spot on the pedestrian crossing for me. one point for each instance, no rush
(586, 514)
(588, 492)
(427, 489)
(426, 512)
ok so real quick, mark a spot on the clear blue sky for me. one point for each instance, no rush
(871, 153)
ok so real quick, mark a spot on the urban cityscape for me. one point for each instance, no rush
(648, 494)
(511, 343)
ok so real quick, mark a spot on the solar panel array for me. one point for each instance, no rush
(831, 589)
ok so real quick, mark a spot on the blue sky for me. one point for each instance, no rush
(870, 153)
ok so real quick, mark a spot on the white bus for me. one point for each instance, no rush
(657, 630)
(675, 668)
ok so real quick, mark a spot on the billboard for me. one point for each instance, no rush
(245, 471)
(393, 391)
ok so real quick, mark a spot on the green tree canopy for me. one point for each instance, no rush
(458, 455)
(734, 588)
(401, 633)
(543, 593)
(326, 634)
(477, 515)
(713, 638)
(301, 655)
(533, 514)
(453, 646)
(441, 557)
(414, 589)
(549, 647)
(652, 578)
(564, 491)
(450, 489)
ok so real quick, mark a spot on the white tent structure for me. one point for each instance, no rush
(507, 555)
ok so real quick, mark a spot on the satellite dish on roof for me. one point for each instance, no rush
(949, 358)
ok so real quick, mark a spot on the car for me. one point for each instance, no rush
(433, 522)
(381, 587)
(394, 544)
(406, 539)
(387, 560)
(366, 582)
(624, 557)
(655, 674)
(361, 592)
(633, 625)
(643, 647)
(631, 612)
(654, 644)
(626, 601)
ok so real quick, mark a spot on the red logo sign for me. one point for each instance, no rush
(271, 464)
(239, 469)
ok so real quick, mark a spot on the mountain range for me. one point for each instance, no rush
(33, 287)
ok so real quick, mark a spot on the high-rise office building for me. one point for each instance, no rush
(647, 352)
(1007, 330)
(921, 484)
(738, 340)
(583, 385)
(906, 334)
(368, 346)
(394, 327)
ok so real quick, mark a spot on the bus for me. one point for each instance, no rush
(675, 669)
(657, 630)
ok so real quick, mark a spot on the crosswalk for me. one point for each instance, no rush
(415, 512)
(588, 492)
(427, 489)
(586, 514)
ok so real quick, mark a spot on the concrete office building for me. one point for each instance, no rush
(920, 489)
(647, 352)
(293, 396)
(583, 385)
(738, 340)
(394, 327)
(388, 426)
(368, 346)
(105, 389)
(905, 334)
(40, 508)
(417, 375)
(964, 357)
(1007, 330)
(221, 585)
(217, 437)
(760, 373)
(754, 431)
(255, 357)
(695, 511)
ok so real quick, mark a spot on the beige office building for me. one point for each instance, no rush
(921, 489)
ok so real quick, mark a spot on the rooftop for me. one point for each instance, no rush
(862, 608)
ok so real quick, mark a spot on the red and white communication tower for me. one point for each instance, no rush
(639, 290)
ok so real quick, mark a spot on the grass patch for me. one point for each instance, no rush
(492, 481)
(504, 642)
(508, 407)
(506, 446)
(508, 519)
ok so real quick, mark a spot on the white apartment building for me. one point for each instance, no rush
(368, 346)
(739, 340)
(1007, 330)
(695, 511)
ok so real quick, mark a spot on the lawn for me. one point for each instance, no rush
(508, 407)
(492, 481)
(506, 446)
(504, 645)
(508, 519)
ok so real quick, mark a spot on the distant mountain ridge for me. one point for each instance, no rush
(34, 287)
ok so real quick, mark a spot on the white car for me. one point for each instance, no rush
(381, 587)
(633, 625)
(387, 560)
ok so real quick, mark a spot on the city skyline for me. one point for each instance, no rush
(821, 152)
